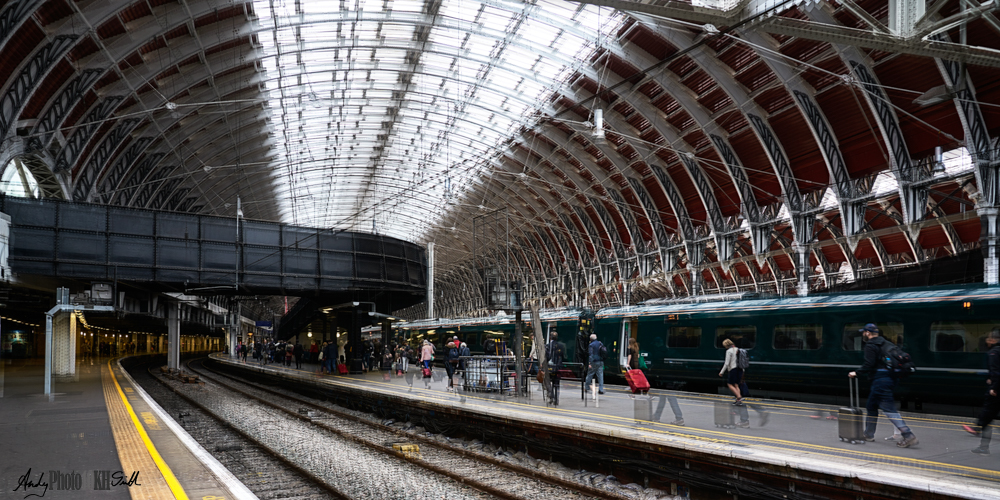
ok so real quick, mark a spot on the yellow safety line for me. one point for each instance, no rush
(761, 441)
(168, 475)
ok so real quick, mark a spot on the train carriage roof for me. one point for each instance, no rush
(860, 299)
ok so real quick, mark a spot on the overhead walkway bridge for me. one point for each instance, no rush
(178, 252)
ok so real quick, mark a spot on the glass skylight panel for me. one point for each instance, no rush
(335, 98)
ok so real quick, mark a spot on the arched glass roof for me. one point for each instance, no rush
(386, 109)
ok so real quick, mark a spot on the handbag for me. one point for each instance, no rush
(540, 377)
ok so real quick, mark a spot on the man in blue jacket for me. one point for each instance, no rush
(595, 363)
(991, 402)
(882, 386)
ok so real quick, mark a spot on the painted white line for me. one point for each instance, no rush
(237, 488)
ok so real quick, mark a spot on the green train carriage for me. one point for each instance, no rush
(806, 345)
(573, 325)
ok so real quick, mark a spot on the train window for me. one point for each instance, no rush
(961, 336)
(854, 341)
(684, 336)
(744, 336)
(798, 337)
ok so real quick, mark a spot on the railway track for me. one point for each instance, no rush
(483, 473)
(250, 462)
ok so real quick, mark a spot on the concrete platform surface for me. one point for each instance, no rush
(784, 433)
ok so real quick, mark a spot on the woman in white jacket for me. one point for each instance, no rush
(732, 367)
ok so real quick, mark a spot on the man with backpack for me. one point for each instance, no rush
(595, 362)
(878, 366)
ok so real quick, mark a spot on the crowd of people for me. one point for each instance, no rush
(398, 357)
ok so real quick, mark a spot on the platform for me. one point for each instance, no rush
(97, 436)
(795, 438)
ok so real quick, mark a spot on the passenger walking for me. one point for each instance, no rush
(314, 352)
(731, 367)
(554, 353)
(883, 384)
(329, 357)
(243, 352)
(633, 354)
(426, 354)
(595, 362)
(465, 353)
(991, 400)
(297, 352)
(451, 363)
(742, 409)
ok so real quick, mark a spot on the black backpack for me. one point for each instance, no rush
(743, 359)
(898, 362)
(602, 352)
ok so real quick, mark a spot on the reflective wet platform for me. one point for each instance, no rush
(778, 439)
(99, 436)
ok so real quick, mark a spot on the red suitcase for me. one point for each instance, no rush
(637, 381)
(342, 369)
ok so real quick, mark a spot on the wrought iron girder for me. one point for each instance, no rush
(116, 174)
(13, 14)
(751, 211)
(778, 158)
(61, 106)
(29, 79)
(715, 219)
(77, 142)
(101, 155)
(142, 170)
(652, 213)
(683, 96)
(676, 202)
(828, 145)
(887, 42)
(610, 228)
(151, 185)
(164, 193)
(977, 137)
(628, 216)
(599, 173)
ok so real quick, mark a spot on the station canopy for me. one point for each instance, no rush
(637, 149)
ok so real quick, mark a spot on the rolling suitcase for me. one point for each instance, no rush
(342, 369)
(643, 409)
(637, 381)
(725, 416)
(851, 417)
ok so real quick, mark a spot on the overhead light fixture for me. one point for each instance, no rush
(938, 166)
(598, 132)
(935, 95)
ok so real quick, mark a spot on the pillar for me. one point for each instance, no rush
(988, 243)
(354, 350)
(430, 280)
(64, 344)
(173, 335)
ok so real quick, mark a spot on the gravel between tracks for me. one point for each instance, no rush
(468, 466)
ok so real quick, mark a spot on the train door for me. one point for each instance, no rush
(630, 329)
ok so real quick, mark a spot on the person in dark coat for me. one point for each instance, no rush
(554, 353)
(880, 396)
(451, 363)
(991, 401)
(297, 352)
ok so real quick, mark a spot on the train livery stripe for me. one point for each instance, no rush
(168, 475)
(819, 365)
